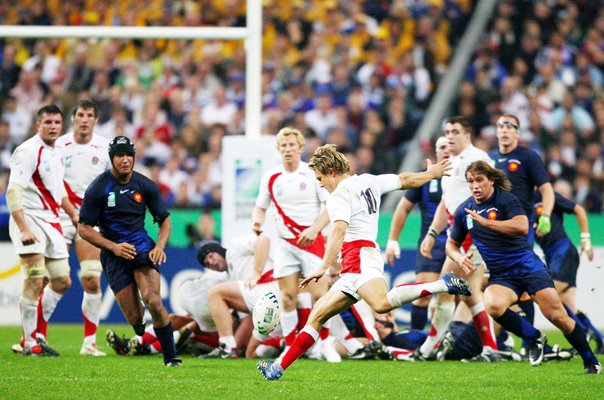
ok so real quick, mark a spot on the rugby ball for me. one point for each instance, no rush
(266, 313)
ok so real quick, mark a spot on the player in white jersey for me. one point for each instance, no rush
(297, 200)
(240, 292)
(458, 131)
(34, 195)
(353, 209)
(85, 158)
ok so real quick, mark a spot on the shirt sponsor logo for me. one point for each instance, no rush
(123, 191)
(469, 221)
(95, 160)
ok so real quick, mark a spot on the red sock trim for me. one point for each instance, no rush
(303, 342)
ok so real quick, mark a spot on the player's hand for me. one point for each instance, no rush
(27, 237)
(465, 263)
(544, 226)
(307, 237)
(393, 250)
(157, 256)
(440, 169)
(586, 247)
(315, 276)
(425, 248)
(125, 250)
(480, 220)
(252, 281)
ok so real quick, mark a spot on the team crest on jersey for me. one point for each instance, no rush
(513, 165)
(539, 208)
(279, 190)
(302, 186)
(138, 197)
(95, 160)
(68, 160)
(492, 213)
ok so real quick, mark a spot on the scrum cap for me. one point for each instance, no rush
(121, 145)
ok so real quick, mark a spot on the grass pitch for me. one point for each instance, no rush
(72, 376)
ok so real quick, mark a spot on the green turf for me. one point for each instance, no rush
(72, 376)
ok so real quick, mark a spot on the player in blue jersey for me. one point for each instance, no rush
(427, 197)
(526, 171)
(499, 227)
(562, 257)
(116, 201)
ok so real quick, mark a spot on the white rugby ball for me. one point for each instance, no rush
(266, 313)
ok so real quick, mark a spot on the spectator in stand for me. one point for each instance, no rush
(219, 111)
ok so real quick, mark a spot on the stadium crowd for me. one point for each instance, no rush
(357, 74)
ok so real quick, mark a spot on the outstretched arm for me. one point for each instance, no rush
(434, 171)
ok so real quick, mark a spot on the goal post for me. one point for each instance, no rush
(251, 35)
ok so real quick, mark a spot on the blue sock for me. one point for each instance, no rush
(518, 326)
(139, 328)
(577, 339)
(166, 339)
(501, 338)
(528, 309)
(574, 316)
(587, 324)
(419, 317)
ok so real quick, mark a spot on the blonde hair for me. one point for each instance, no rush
(327, 159)
(284, 132)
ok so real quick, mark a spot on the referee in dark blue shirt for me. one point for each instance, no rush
(116, 201)
(499, 226)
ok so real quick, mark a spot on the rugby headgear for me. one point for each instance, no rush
(207, 248)
(121, 145)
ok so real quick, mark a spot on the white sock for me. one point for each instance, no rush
(289, 322)
(443, 315)
(364, 314)
(404, 294)
(229, 343)
(91, 310)
(340, 332)
(29, 318)
(50, 299)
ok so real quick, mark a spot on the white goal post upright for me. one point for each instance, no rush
(252, 36)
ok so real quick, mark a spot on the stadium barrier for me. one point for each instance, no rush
(182, 265)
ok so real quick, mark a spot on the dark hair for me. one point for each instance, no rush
(49, 109)
(207, 248)
(499, 177)
(85, 105)
(461, 120)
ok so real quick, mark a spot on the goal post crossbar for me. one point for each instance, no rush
(251, 35)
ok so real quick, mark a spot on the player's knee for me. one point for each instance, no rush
(382, 307)
(60, 285)
(35, 269)
(558, 317)
(91, 285)
(494, 309)
(288, 300)
(154, 304)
